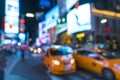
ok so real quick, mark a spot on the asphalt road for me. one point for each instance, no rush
(33, 69)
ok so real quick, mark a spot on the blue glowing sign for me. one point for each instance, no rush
(45, 3)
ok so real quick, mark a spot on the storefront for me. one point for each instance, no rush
(79, 25)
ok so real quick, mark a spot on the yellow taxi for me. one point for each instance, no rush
(98, 61)
(59, 60)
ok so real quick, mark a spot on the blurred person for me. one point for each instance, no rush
(107, 44)
(76, 45)
(114, 45)
(96, 47)
(23, 50)
(3, 64)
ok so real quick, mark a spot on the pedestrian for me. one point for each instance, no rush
(114, 45)
(107, 45)
(23, 50)
(96, 47)
(3, 64)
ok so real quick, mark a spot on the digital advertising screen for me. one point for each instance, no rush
(12, 7)
(11, 16)
(70, 3)
(44, 37)
(11, 25)
(79, 19)
(22, 37)
(10, 36)
(51, 17)
(44, 3)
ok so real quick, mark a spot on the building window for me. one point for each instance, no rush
(99, 38)
(114, 25)
(117, 25)
(97, 23)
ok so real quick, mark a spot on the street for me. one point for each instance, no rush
(33, 69)
(60, 40)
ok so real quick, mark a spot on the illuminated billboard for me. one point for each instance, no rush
(22, 37)
(51, 18)
(70, 3)
(79, 19)
(61, 28)
(12, 7)
(11, 26)
(11, 16)
(44, 37)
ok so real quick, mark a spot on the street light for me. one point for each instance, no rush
(30, 30)
(103, 21)
(30, 15)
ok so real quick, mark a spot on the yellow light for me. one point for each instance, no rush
(35, 51)
(117, 14)
(80, 35)
(31, 49)
(39, 50)
(105, 12)
(72, 61)
(56, 62)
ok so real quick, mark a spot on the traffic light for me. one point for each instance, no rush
(107, 29)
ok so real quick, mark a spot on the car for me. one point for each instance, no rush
(98, 61)
(59, 60)
(35, 50)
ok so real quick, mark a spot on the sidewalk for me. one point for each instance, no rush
(13, 77)
(12, 61)
(31, 69)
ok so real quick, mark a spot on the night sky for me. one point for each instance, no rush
(31, 23)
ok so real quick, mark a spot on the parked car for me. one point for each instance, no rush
(59, 60)
(99, 61)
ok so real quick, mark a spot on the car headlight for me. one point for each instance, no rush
(55, 62)
(72, 61)
(35, 51)
(31, 49)
(39, 50)
(117, 66)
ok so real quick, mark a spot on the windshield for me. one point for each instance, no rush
(109, 55)
(60, 51)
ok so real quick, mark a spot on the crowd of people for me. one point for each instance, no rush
(109, 45)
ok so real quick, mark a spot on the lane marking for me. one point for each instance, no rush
(12, 66)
